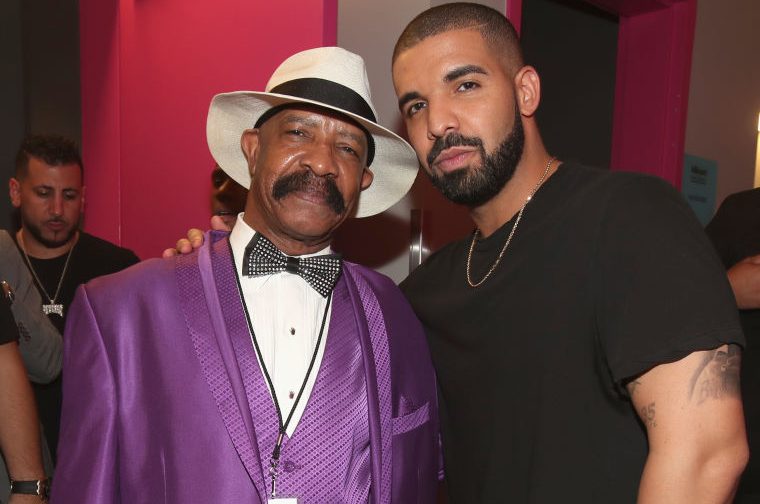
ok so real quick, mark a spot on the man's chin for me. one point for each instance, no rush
(57, 240)
(311, 232)
(451, 182)
(51, 244)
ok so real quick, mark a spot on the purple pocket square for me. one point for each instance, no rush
(410, 421)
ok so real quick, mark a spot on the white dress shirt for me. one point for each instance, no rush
(286, 315)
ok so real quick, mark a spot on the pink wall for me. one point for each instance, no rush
(514, 13)
(652, 89)
(655, 42)
(149, 70)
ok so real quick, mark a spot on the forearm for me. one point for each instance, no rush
(19, 425)
(691, 478)
(24, 499)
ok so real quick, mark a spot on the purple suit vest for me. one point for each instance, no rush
(327, 459)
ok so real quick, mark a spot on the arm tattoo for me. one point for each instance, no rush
(647, 416)
(717, 375)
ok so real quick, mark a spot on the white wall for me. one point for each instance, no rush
(724, 95)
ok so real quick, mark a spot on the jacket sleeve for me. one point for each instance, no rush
(87, 468)
(39, 343)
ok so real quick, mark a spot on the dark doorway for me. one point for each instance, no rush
(573, 45)
(39, 91)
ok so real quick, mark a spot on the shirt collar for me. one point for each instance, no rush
(242, 234)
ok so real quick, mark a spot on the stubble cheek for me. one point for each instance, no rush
(417, 138)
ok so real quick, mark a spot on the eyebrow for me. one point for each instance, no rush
(306, 121)
(51, 188)
(462, 71)
(313, 122)
(449, 77)
(353, 136)
(406, 98)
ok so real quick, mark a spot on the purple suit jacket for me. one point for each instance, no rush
(155, 409)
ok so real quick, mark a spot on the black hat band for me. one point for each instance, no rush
(329, 93)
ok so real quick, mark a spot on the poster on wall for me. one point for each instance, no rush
(700, 177)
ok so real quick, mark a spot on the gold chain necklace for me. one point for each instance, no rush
(511, 233)
(52, 306)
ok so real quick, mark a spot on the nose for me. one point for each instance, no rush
(56, 205)
(319, 158)
(441, 120)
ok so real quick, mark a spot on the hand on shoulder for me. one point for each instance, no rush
(195, 238)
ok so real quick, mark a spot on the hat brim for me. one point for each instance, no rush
(394, 167)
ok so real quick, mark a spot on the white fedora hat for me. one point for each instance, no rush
(329, 77)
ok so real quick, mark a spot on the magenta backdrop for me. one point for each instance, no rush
(652, 88)
(149, 69)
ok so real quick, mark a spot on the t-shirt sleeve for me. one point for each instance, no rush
(8, 328)
(662, 292)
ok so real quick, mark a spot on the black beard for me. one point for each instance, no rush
(473, 186)
(307, 182)
(37, 234)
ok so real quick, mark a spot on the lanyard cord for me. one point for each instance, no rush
(284, 426)
(274, 461)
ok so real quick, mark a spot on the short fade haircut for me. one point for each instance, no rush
(492, 25)
(54, 150)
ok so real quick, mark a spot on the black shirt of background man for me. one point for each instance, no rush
(608, 275)
(735, 232)
(91, 258)
(8, 328)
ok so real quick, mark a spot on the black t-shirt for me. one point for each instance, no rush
(608, 275)
(8, 327)
(735, 232)
(91, 257)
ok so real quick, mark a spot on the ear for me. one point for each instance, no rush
(528, 90)
(367, 178)
(14, 189)
(249, 142)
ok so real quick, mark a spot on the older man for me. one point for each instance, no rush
(585, 337)
(261, 369)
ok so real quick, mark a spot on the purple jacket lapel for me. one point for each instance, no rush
(259, 401)
(374, 342)
(215, 312)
